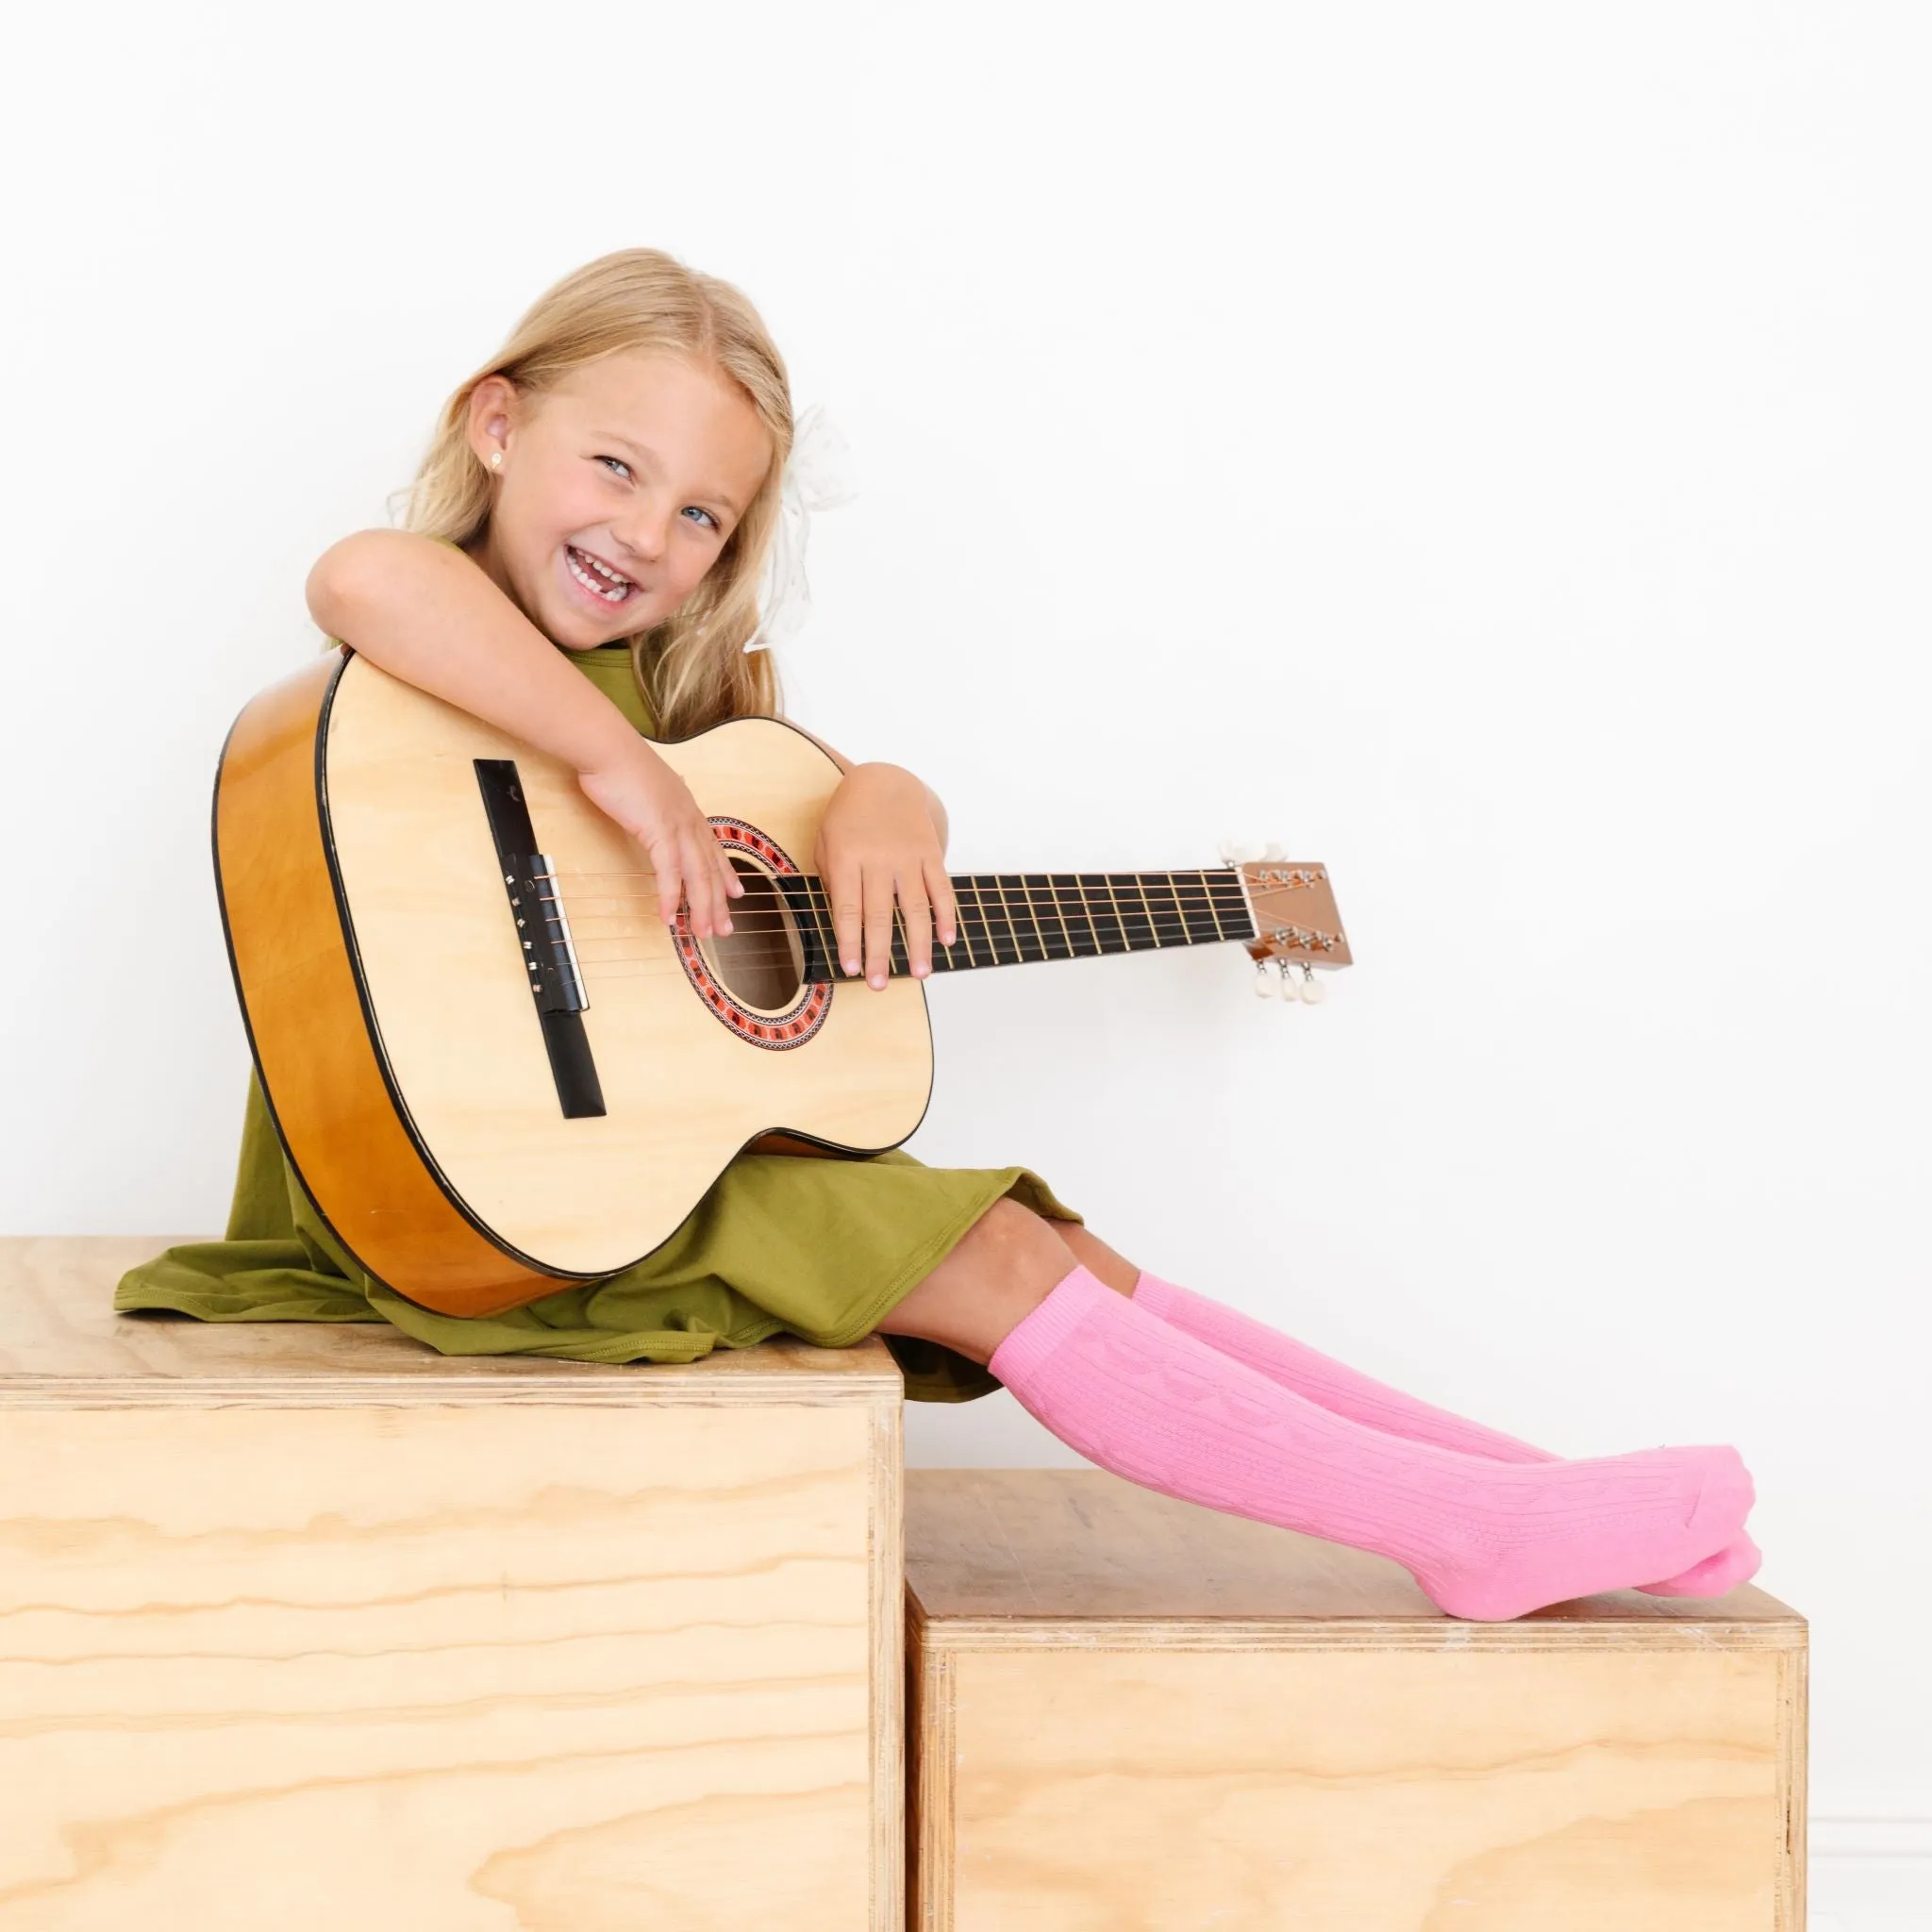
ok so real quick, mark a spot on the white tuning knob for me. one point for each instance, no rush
(1271, 852)
(1264, 984)
(1239, 851)
(1313, 990)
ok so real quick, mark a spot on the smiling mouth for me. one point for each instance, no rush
(596, 577)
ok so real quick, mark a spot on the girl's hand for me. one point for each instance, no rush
(654, 805)
(877, 839)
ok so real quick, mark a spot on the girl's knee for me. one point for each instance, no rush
(1000, 1270)
(1014, 1239)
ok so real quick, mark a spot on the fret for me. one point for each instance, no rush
(1001, 936)
(1163, 908)
(1137, 923)
(1076, 915)
(1020, 919)
(1025, 915)
(804, 898)
(1103, 914)
(968, 923)
(1197, 909)
(1230, 904)
(1139, 880)
(1206, 902)
(972, 933)
(943, 959)
(1054, 935)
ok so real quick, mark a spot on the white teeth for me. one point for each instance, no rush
(583, 576)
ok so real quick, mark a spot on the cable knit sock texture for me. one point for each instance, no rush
(1484, 1540)
(1346, 1393)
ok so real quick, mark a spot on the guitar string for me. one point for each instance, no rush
(1166, 926)
(1200, 886)
(767, 938)
(986, 895)
(635, 965)
(1009, 908)
(1020, 903)
(1196, 881)
(771, 944)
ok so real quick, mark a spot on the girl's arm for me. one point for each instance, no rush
(884, 835)
(933, 805)
(425, 613)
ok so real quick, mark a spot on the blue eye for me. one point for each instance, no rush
(705, 513)
(618, 460)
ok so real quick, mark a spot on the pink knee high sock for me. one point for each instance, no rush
(1484, 1540)
(1341, 1390)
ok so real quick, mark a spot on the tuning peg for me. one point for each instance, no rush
(1264, 986)
(1312, 988)
(1239, 851)
(1271, 852)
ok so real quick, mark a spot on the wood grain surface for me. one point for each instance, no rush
(62, 1345)
(1071, 1549)
(1131, 1711)
(523, 1645)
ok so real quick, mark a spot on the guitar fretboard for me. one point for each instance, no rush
(1014, 919)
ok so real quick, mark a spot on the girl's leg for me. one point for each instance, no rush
(1164, 1408)
(1008, 1262)
(1345, 1391)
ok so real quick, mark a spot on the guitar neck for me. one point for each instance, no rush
(1014, 919)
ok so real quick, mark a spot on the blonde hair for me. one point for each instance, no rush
(693, 669)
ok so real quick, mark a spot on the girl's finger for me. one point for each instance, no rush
(663, 851)
(701, 882)
(879, 928)
(728, 873)
(841, 889)
(918, 922)
(945, 907)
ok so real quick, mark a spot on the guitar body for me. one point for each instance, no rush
(388, 994)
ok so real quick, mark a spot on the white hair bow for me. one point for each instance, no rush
(817, 476)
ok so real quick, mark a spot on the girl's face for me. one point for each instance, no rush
(616, 492)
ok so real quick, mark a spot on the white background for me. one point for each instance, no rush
(1484, 447)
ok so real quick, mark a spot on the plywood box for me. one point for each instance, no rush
(308, 1627)
(1130, 1711)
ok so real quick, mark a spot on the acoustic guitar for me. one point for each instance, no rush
(496, 1068)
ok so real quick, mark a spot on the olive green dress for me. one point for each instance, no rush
(823, 1248)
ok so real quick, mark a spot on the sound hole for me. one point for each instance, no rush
(760, 961)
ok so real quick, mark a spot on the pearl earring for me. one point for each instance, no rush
(496, 460)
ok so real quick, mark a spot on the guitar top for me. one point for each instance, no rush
(495, 1066)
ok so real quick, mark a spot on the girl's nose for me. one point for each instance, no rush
(645, 532)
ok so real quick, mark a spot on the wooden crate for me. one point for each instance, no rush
(1130, 1711)
(308, 1627)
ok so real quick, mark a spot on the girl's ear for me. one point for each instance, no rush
(493, 415)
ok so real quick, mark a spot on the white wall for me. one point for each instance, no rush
(1485, 447)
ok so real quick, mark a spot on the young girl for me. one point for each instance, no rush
(581, 567)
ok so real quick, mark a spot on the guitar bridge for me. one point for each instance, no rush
(543, 938)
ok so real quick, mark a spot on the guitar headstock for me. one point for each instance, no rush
(1296, 922)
